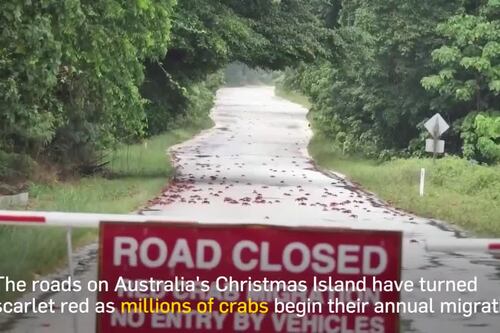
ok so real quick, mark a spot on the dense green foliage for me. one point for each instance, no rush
(70, 71)
(78, 77)
(209, 34)
(393, 64)
(469, 79)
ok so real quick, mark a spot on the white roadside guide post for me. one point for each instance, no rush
(436, 126)
(84, 220)
(422, 181)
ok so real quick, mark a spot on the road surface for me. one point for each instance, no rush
(253, 167)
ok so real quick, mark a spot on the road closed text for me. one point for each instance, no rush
(249, 256)
(219, 278)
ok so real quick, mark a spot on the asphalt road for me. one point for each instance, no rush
(253, 167)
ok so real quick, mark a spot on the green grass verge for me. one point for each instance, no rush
(456, 191)
(137, 173)
(292, 96)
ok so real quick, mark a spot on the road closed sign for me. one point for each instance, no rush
(164, 277)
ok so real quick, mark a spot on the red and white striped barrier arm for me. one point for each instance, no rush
(463, 245)
(86, 220)
(76, 220)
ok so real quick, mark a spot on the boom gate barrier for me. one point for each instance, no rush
(87, 220)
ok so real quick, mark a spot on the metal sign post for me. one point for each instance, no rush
(71, 268)
(436, 126)
(435, 137)
(69, 244)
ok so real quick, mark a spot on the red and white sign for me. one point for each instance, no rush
(177, 277)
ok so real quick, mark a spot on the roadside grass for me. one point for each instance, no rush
(456, 191)
(136, 173)
(292, 96)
